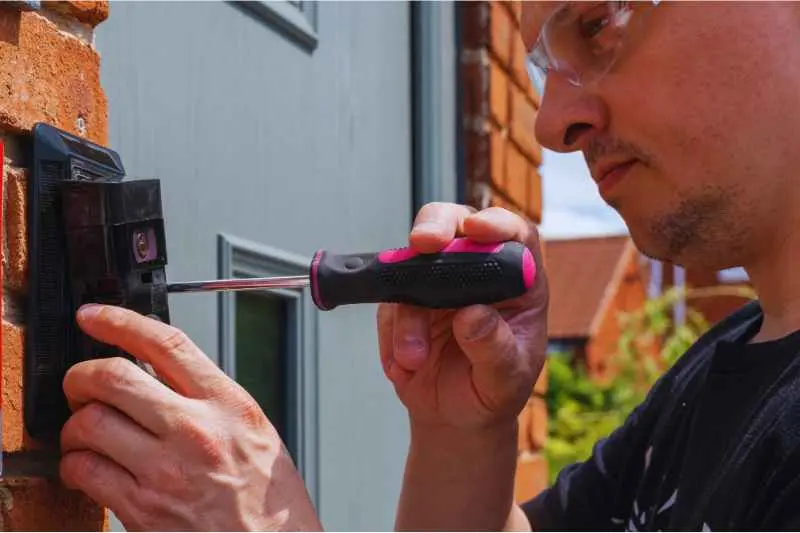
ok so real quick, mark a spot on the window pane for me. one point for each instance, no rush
(261, 358)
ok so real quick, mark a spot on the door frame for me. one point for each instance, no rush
(437, 144)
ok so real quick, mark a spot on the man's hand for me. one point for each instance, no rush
(464, 376)
(475, 367)
(202, 456)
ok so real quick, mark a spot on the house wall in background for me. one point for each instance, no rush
(501, 165)
(626, 292)
(713, 309)
(49, 71)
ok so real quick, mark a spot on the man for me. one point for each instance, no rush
(687, 116)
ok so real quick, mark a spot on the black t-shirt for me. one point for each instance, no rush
(715, 446)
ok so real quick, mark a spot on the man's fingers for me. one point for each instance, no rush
(489, 343)
(119, 383)
(167, 349)
(411, 337)
(484, 336)
(106, 431)
(497, 224)
(394, 372)
(436, 225)
(100, 479)
(385, 319)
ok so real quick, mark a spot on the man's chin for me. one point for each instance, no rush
(656, 247)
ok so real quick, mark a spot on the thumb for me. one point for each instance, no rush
(485, 338)
(499, 373)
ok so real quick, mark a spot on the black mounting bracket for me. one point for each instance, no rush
(93, 237)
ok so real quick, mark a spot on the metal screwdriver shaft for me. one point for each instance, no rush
(240, 284)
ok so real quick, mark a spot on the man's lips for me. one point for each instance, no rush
(613, 175)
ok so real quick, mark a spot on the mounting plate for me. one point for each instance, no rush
(51, 330)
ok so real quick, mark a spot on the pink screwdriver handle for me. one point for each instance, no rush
(463, 273)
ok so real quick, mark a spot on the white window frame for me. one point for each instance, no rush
(241, 258)
(296, 22)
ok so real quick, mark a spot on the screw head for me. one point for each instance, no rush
(141, 245)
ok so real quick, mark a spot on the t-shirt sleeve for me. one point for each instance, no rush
(587, 496)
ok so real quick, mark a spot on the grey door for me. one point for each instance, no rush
(276, 132)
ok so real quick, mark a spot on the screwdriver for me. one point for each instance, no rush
(463, 273)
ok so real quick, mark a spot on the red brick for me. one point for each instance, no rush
(49, 77)
(475, 85)
(523, 122)
(499, 201)
(91, 12)
(524, 435)
(519, 69)
(497, 159)
(475, 24)
(531, 477)
(540, 388)
(535, 200)
(501, 30)
(3, 258)
(15, 264)
(478, 156)
(538, 423)
(498, 94)
(37, 504)
(517, 177)
(13, 342)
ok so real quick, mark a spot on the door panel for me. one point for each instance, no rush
(258, 137)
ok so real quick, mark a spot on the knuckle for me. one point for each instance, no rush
(174, 340)
(78, 467)
(113, 372)
(93, 419)
(169, 473)
(209, 445)
(251, 413)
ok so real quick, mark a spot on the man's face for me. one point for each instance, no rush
(704, 103)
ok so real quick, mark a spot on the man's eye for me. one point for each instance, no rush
(590, 28)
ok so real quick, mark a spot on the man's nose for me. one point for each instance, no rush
(568, 116)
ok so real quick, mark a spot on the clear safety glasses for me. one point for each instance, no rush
(583, 40)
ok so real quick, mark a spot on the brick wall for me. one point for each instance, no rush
(502, 156)
(501, 164)
(49, 72)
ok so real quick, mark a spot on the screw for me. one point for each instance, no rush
(142, 247)
(80, 124)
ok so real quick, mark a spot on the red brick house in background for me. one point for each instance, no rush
(593, 280)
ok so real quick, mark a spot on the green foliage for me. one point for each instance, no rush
(582, 411)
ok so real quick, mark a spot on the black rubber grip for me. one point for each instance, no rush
(464, 273)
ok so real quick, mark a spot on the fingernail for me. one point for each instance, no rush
(482, 325)
(411, 343)
(427, 226)
(89, 310)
